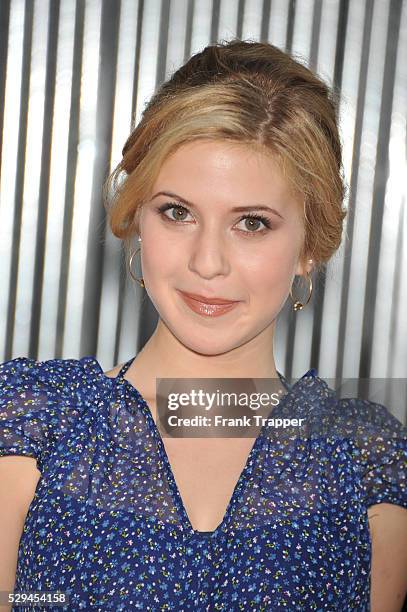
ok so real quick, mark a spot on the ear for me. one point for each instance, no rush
(136, 220)
(304, 266)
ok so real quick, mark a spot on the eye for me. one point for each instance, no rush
(252, 223)
(180, 211)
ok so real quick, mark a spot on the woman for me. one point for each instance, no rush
(233, 185)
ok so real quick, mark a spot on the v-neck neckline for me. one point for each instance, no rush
(245, 473)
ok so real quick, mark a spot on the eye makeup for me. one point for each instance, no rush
(176, 205)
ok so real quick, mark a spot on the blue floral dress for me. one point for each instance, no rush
(107, 525)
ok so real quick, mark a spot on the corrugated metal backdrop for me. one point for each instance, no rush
(73, 74)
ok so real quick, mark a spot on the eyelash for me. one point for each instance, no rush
(164, 207)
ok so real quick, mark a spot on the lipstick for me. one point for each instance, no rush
(209, 307)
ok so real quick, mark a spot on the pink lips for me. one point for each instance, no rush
(210, 307)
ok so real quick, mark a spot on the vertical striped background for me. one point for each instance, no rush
(73, 74)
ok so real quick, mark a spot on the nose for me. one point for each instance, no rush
(208, 256)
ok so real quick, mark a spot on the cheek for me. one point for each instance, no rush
(270, 271)
(160, 248)
(154, 270)
(161, 266)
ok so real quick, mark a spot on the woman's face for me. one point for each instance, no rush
(194, 241)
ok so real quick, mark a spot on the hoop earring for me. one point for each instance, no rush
(299, 305)
(140, 281)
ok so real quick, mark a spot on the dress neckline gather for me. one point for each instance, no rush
(308, 378)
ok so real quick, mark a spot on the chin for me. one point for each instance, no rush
(210, 337)
(205, 342)
(208, 349)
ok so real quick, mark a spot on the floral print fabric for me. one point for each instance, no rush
(107, 524)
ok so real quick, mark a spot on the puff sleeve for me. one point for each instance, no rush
(380, 450)
(37, 405)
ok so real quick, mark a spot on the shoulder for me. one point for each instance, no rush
(114, 371)
(367, 412)
(377, 442)
(64, 384)
(356, 418)
(54, 374)
(41, 400)
(351, 417)
(372, 426)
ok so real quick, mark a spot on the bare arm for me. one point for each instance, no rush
(388, 527)
(18, 480)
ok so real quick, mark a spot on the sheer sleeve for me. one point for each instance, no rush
(37, 404)
(380, 449)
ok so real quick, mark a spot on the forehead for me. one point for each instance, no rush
(233, 170)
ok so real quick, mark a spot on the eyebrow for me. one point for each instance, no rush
(235, 209)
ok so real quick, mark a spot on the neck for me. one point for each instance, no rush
(163, 356)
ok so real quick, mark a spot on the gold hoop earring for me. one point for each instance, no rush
(299, 305)
(140, 281)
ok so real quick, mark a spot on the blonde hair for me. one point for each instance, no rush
(250, 93)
